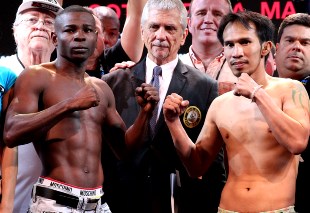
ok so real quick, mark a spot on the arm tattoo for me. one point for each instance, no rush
(297, 93)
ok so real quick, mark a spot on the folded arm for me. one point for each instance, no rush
(26, 122)
(289, 123)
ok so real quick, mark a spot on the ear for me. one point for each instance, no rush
(184, 35)
(142, 33)
(277, 46)
(189, 24)
(54, 38)
(15, 36)
(266, 47)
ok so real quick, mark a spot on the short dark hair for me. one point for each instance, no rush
(72, 8)
(302, 19)
(264, 26)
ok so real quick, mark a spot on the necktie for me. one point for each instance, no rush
(155, 82)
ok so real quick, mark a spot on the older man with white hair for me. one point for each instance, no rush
(32, 30)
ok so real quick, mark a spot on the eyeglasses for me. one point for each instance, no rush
(34, 20)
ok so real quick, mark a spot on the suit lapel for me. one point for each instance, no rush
(136, 78)
(138, 74)
(176, 85)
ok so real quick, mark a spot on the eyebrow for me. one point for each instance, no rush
(298, 38)
(238, 40)
(83, 25)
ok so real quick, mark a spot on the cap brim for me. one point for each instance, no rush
(39, 5)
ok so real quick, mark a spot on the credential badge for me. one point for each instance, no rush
(192, 116)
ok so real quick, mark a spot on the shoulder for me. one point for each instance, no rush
(36, 75)
(95, 81)
(225, 97)
(285, 89)
(99, 84)
(102, 88)
(40, 69)
(285, 84)
(222, 103)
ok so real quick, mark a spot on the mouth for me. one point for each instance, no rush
(160, 46)
(238, 64)
(80, 49)
(39, 36)
(294, 57)
(208, 29)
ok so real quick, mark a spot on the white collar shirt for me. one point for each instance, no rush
(164, 79)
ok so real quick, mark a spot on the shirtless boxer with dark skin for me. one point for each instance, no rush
(66, 112)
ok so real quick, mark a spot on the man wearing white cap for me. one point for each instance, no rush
(32, 29)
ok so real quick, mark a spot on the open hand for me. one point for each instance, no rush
(122, 65)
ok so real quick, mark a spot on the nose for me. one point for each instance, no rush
(107, 44)
(296, 46)
(237, 51)
(208, 18)
(41, 25)
(40, 21)
(106, 41)
(161, 33)
(79, 35)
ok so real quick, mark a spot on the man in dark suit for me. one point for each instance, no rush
(154, 179)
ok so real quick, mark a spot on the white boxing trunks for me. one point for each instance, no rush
(50, 195)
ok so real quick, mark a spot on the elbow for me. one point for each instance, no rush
(9, 138)
(9, 141)
(135, 57)
(298, 150)
(299, 146)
